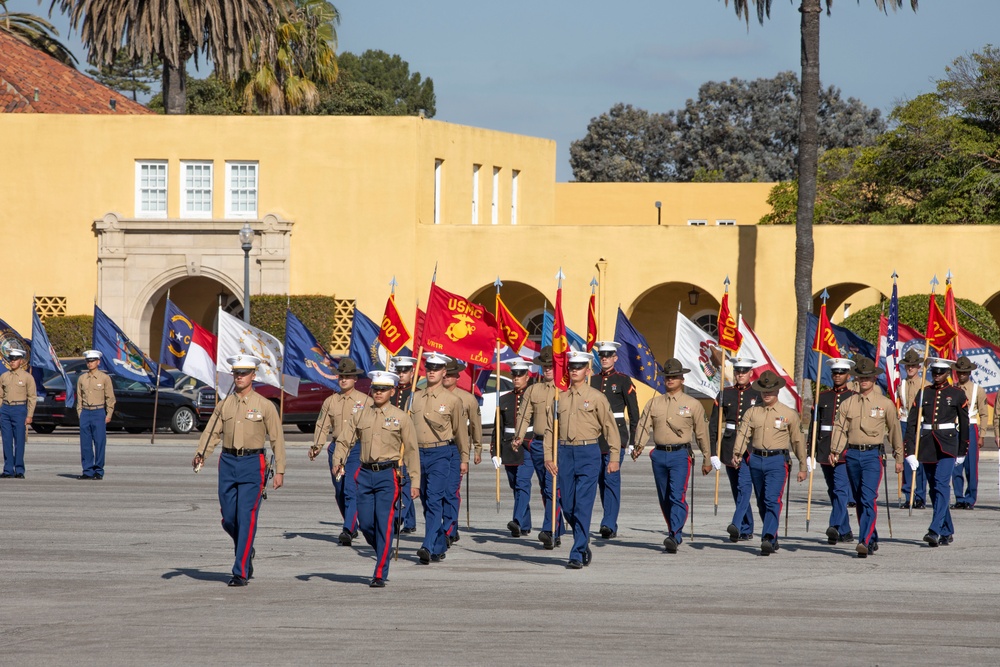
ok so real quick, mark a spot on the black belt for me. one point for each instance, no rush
(15, 402)
(769, 452)
(380, 465)
(864, 448)
(242, 452)
(671, 448)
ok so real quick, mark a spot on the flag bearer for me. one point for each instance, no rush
(403, 367)
(460, 464)
(517, 466)
(835, 474)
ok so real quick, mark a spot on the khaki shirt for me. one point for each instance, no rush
(94, 390)
(438, 416)
(977, 407)
(909, 391)
(584, 415)
(537, 398)
(18, 387)
(337, 410)
(775, 427)
(382, 432)
(245, 422)
(867, 419)
(475, 418)
(674, 420)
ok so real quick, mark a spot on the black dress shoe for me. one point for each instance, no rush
(6, 476)
(424, 555)
(410, 530)
(588, 556)
(931, 538)
(558, 541)
(904, 504)
(87, 477)
(607, 533)
(377, 582)
(345, 538)
(670, 544)
(253, 552)
(832, 535)
(515, 528)
(574, 565)
(862, 550)
(872, 547)
(746, 537)
(237, 581)
(945, 540)
(852, 504)
(19, 475)
(437, 558)
(847, 537)
(767, 546)
(545, 537)
(734, 532)
(919, 505)
(98, 477)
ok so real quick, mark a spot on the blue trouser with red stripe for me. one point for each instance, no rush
(453, 499)
(241, 481)
(544, 477)
(409, 517)
(93, 440)
(378, 491)
(864, 470)
(769, 475)
(346, 490)
(435, 467)
(12, 427)
(939, 477)
(671, 472)
(739, 483)
(519, 479)
(969, 469)
(920, 495)
(578, 469)
(610, 484)
(838, 489)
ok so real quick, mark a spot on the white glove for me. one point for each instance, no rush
(911, 461)
(960, 460)
(810, 464)
(716, 463)
(497, 462)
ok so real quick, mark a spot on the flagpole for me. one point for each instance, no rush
(555, 418)
(722, 387)
(920, 403)
(156, 393)
(815, 420)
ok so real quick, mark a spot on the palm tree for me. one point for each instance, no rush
(176, 30)
(306, 55)
(808, 152)
(36, 32)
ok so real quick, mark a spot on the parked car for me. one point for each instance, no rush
(133, 407)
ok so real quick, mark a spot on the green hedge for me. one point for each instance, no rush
(267, 312)
(70, 335)
(913, 312)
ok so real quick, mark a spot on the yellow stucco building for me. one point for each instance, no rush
(121, 208)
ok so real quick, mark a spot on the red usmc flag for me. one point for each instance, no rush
(459, 328)
(591, 324)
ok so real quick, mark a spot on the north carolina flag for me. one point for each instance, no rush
(512, 332)
(459, 328)
(940, 332)
(730, 337)
(591, 324)
(825, 341)
(393, 334)
(560, 346)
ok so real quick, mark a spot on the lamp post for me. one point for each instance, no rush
(246, 242)
(658, 206)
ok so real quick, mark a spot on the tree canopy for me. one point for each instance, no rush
(913, 312)
(407, 93)
(735, 130)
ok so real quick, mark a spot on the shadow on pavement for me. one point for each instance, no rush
(199, 575)
(335, 578)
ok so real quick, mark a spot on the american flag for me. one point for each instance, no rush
(889, 333)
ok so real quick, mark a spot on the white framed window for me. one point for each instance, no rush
(495, 206)
(151, 189)
(196, 189)
(241, 189)
(697, 223)
(513, 195)
(438, 169)
(475, 193)
(725, 223)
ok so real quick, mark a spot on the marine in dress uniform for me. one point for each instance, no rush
(18, 393)
(864, 421)
(442, 435)
(460, 465)
(620, 392)
(530, 436)
(835, 474)
(334, 415)
(674, 418)
(944, 442)
(95, 403)
(242, 422)
(403, 366)
(517, 466)
(734, 402)
(909, 392)
(966, 476)
(768, 431)
(386, 437)
(584, 415)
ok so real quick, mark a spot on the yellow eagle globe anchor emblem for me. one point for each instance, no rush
(460, 328)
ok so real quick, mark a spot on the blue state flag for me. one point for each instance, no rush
(305, 358)
(364, 348)
(44, 356)
(120, 356)
(850, 345)
(635, 359)
(11, 340)
(177, 332)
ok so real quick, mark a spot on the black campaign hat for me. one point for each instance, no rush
(769, 381)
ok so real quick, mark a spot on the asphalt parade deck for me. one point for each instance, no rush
(133, 570)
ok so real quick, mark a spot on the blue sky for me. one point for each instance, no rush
(546, 67)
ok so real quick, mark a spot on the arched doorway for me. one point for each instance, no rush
(522, 300)
(847, 298)
(198, 297)
(654, 314)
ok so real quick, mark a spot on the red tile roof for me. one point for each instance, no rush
(34, 82)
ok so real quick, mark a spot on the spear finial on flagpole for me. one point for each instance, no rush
(934, 283)
(825, 295)
(435, 276)
(560, 276)
(947, 278)
(894, 276)
(392, 285)
(726, 283)
(498, 284)
(593, 284)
